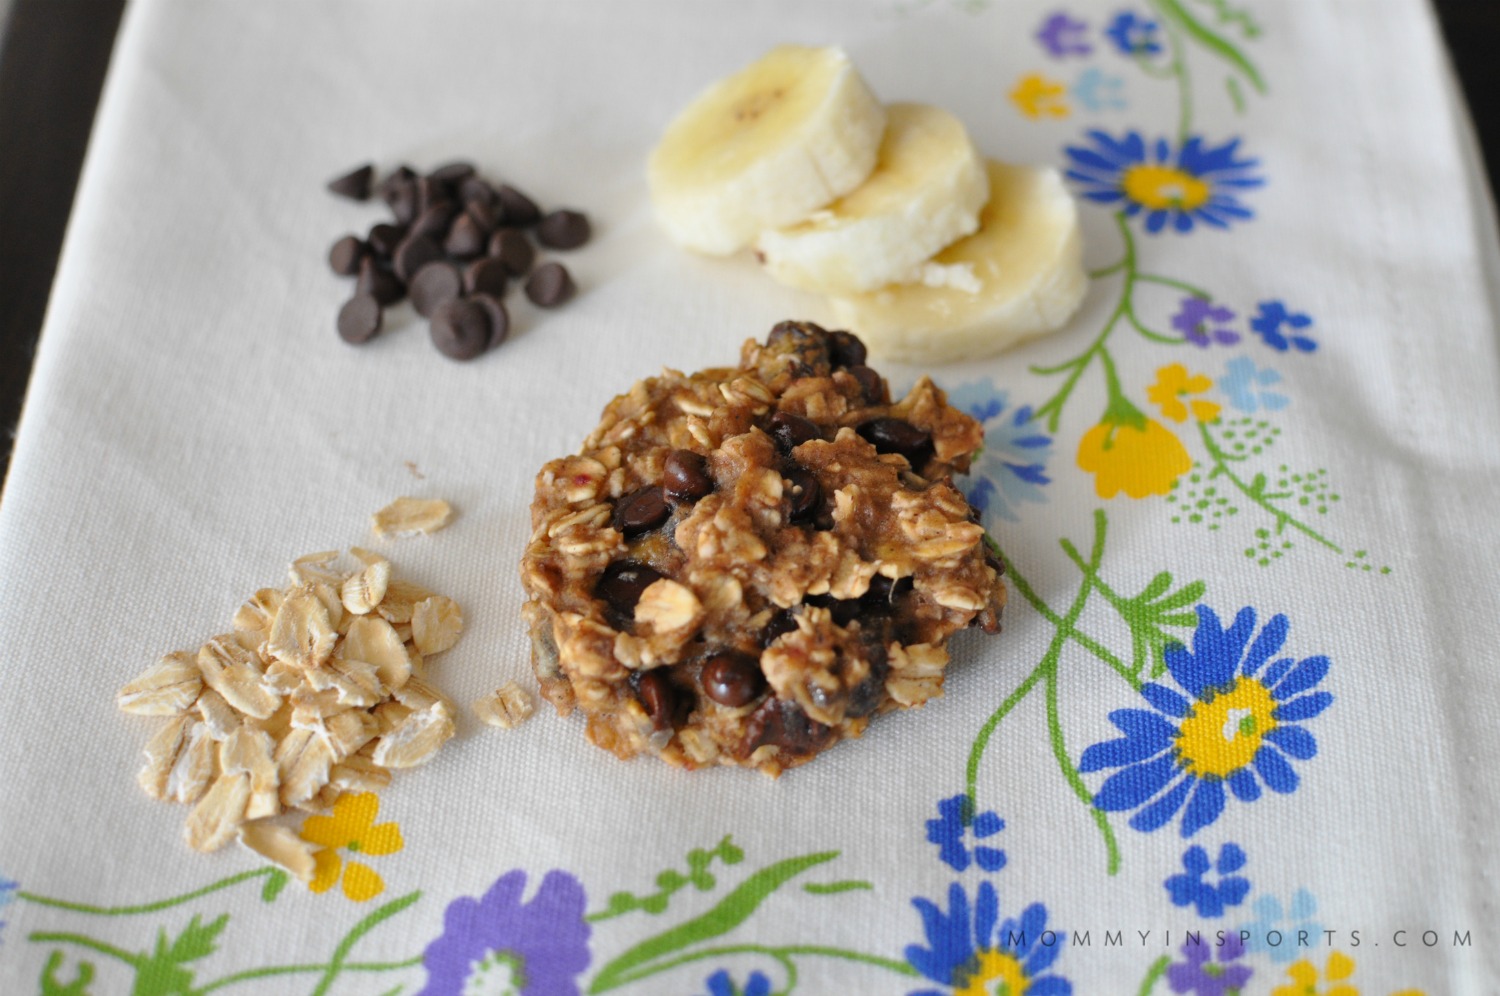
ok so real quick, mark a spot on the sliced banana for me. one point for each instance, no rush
(764, 148)
(927, 190)
(1020, 275)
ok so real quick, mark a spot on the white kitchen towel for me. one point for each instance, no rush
(1237, 734)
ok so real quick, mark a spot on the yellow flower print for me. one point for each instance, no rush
(1305, 978)
(1036, 96)
(1173, 384)
(1138, 461)
(352, 827)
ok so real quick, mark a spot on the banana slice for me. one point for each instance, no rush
(765, 148)
(1021, 275)
(927, 190)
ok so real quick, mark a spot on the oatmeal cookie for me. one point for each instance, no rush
(744, 565)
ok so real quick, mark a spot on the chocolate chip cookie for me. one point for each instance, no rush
(744, 565)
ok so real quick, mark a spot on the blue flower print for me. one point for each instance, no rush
(720, 984)
(1238, 726)
(1012, 467)
(1189, 889)
(969, 949)
(1194, 318)
(1243, 383)
(1191, 184)
(1273, 317)
(7, 896)
(1062, 36)
(1096, 91)
(1284, 933)
(949, 829)
(1133, 35)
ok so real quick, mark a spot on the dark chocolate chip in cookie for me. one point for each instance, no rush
(871, 384)
(893, 435)
(640, 511)
(783, 724)
(732, 678)
(791, 430)
(804, 494)
(622, 582)
(845, 350)
(685, 477)
(658, 697)
(783, 621)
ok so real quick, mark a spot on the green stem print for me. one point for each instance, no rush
(164, 970)
(1153, 975)
(670, 881)
(681, 944)
(1147, 615)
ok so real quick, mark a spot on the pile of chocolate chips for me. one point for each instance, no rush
(453, 247)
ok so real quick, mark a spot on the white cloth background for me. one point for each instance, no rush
(193, 423)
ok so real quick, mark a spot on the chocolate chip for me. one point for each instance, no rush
(354, 184)
(871, 383)
(641, 510)
(513, 248)
(434, 221)
(843, 610)
(473, 190)
(499, 317)
(414, 252)
(658, 697)
(383, 239)
(460, 329)
(782, 621)
(401, 196)
(378, 282)
(563, 230)
(732, 678)
(685, 477)
(797, 334)
(550, 285)
(804, 494)
(345, 255)
(430, 192)
(359, 319)
(515, 207)
(465, 238)
(883, 593)
(485, 276)
(401, 176)
(434, 285)
(452, 172)
(791, 430)
(783, 724)
(621, 584)
(845, 350)
(483, 215)
(893, 435)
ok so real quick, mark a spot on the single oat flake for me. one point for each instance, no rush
(412, 517)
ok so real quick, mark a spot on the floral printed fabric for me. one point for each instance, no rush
(1240, 703)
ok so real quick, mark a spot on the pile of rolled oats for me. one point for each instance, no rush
(319, 689)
